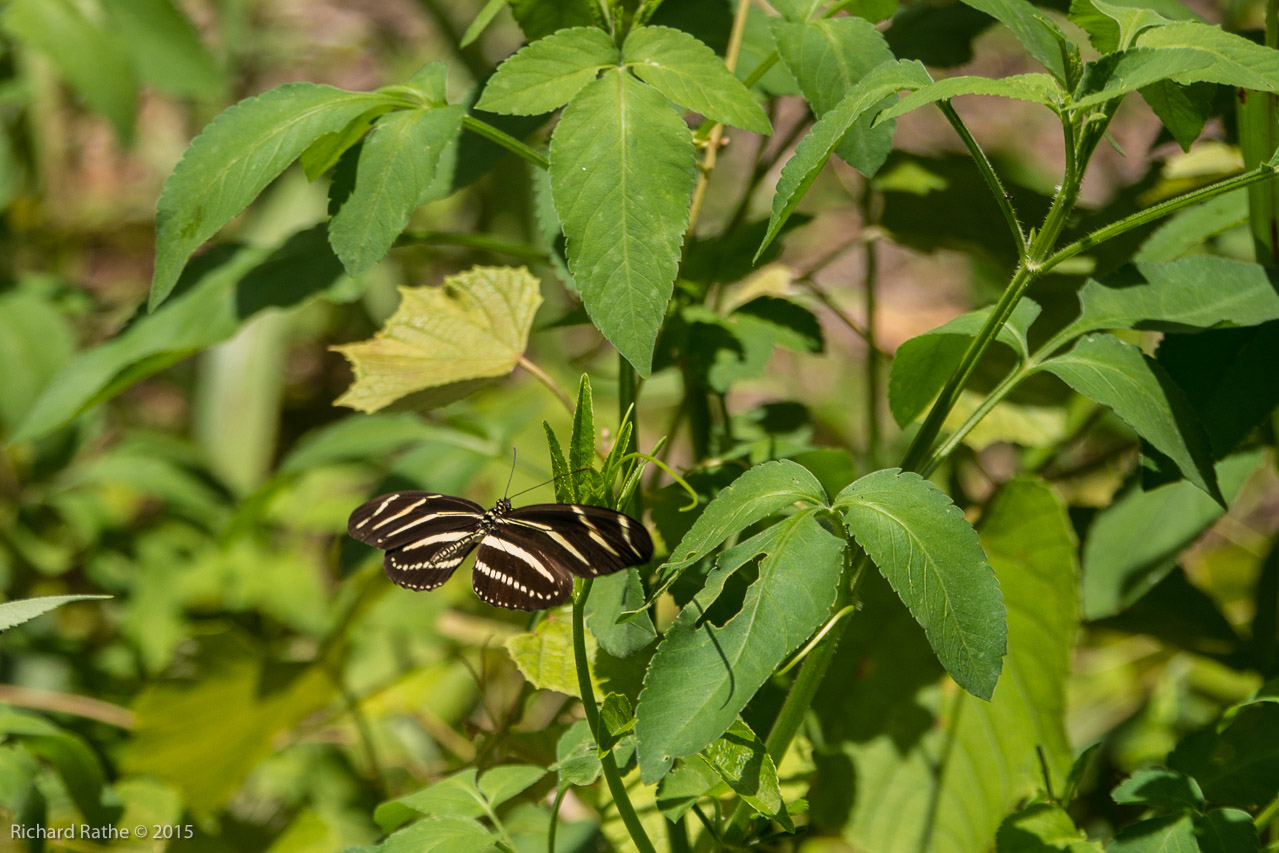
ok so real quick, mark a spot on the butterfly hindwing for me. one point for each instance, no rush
(426, 535)
(514, 569)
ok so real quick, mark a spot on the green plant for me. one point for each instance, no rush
(816, 618)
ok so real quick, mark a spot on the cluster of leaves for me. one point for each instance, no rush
(936, 654)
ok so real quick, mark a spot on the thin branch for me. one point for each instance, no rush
(546, 380)
(504, 139)
(67, 703)
(1002, 198)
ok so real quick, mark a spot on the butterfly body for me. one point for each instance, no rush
(526, 557)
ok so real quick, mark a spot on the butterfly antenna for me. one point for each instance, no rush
(507, 491)
(552, 480)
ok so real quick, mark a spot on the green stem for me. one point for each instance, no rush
(872, 347)
(802, 691)
(611, 774)
(988, 174)
(1158, 211)
(504, 139)
(993, 399)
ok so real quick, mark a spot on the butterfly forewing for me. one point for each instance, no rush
(426, 536)
(586, 540)
(527, 557)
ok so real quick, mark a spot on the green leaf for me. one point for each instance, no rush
(452, 796)
(538, 18)
(1111, 25)
(892, 720)
(1227, 831)
(237, 155)
(741, 760)
(923, 364)
(577, 758)
(81, 773)
(1037, 33)
(545, 656)
(1238, 765)
(796, 10)
(1135, 542)
(1196, 292)
(445, 834)
(166, 49)
(702, 675)
(1186, 231)
(473, 327)
(1042, 828)
(1117, 375)
(1185, 52)
(1159, 788)
(548, 73)
(611, 596)
(921, 543)
(501, 783)
(92, 59)
(397, 165)
(815, 149)
(680, 789)
(220, 291)
(690, 74)
(616, 720)
(622, 174)
(34, 334)
(762, 491)
(1172, 834)
(581, 449)
(481, 22)
(827, 58)
(565, 490)
(1039, 89)
(1184, 110)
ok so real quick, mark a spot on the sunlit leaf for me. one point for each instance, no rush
(921, 543)
(703, 674)
(549, 72)
(1119, 376)
(690, 74)
(622, 196)
(237, 155)
(473, 327)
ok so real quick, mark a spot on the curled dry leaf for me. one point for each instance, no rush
(443, 342)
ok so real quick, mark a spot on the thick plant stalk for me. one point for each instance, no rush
(611, 774)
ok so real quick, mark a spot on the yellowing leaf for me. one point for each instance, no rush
(442, 340)
(545, 656)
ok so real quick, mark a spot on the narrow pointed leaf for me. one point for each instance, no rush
(921, 543)
(815, 149)
(690, 74)
(16, 612)
(1117, 375)
(828, 57)
(473, 327)
(1039, 89)
(397, 164)
(237, 155)
(548, 73)
(622, 175)
(1036, 32)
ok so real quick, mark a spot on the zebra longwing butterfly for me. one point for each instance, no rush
(527, 557)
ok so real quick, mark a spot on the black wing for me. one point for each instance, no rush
(528, 561)
(426, 536)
